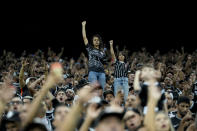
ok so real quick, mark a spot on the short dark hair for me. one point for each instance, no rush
(59, 105)
(183, 99)
(107, 92)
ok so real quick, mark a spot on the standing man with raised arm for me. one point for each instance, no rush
(96, 56)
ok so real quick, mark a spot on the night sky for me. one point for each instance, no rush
(134, 28)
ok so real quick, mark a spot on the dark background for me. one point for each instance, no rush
(155, 28)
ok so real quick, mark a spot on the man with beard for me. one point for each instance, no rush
(183, 105)
(70, 94)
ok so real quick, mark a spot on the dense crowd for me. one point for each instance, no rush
(103, 90)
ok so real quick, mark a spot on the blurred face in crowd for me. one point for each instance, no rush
(111, 123)
(12, 126)
(131, 78)
(162, 122)
(191, 96)
(23, 113)
(121, 57)
(131, 101)
(111, 81)
(169, 99)
(75, 83)
(59, 115)
(132, 120)
(170, 75)
(26, 101)
(70, 94)
(16, 104)
(163, 85)
(96, 41)
(183, 108)
(168, 81)
(109, 97)
(61, 97)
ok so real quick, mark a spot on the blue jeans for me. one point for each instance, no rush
(121, 83)
(97, 76)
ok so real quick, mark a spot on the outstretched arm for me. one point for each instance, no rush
(112, 50)
(21, 75)
(84, 33)
(54, 77)
(137, 81)
(71, 120)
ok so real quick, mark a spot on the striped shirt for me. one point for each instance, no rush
(121, 69)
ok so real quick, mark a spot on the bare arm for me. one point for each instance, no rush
(92, 114)
(54, 77)
(150, 75)
(153, 98)
(84, 33)
(21, 75)
(61, 53)
(137, 81)
(72, 118)
(112, 50)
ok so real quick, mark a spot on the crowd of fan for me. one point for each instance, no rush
(23, 78)
(161, 97)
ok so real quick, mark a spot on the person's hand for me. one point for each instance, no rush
(148, 74)
(24, 63)
(137, 73)
(56, 72)
(83, 23)
(86, 93)
(93, 111)
(187, 120)
(111, 42)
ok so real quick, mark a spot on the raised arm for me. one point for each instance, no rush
(151, 76)
(84, 33)
(21, 75)
(61, 53)
(32, 86)
(137, 81)
(73, 117)
(54, 77)
(91, 115)
(112, 50)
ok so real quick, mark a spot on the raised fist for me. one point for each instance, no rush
(84, 23)
(111, 42)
